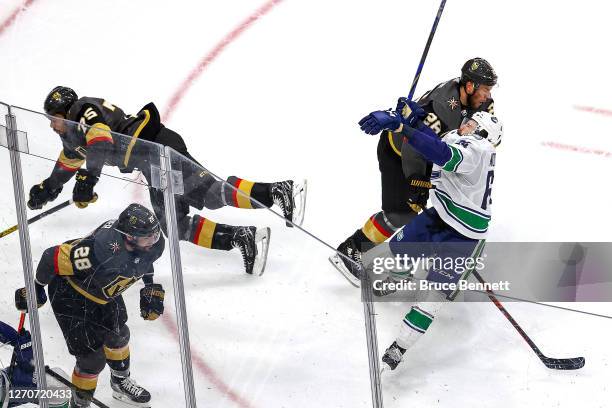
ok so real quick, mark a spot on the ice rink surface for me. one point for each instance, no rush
(282, 101)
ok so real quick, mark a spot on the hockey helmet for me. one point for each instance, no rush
(478, 71)
(487, 126)
(139, 225)
(59, 100)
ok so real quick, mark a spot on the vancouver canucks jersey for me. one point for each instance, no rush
(462, 194)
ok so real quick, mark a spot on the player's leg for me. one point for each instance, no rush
(288, 195)
(252, 242)
(78, 319)
(427, 235)
(117, 352)
(395, 213)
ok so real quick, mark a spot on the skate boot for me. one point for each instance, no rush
(290, 197)
(253, 245)
(392, 357)
(125, 389)
(78, 401)
(351, 270)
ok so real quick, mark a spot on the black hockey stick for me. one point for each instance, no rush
(38, 217)
(67, 383)
(426, 50)
(554, 363)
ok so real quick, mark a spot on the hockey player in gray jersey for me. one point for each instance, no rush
(92, 133)
(457, 224)
(86, 278)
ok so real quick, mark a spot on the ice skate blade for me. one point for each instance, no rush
(340, 267)
(299, 192)
(126, 400)
(262, 242)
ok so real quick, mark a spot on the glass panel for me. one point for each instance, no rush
(291, 337)
(93, 259)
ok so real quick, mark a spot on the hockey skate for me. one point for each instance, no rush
(290, 197)
(125, 389)
(352, 269)
(392, 357)
(253, 245)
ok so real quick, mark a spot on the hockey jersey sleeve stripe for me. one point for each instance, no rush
(69, 164)
(456, 158)
(135, 136)
(468, 218)
(99, 132)
(62, 261)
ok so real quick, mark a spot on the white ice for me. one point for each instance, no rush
(283, 101)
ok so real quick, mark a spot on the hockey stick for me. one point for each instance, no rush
(554, 363)
(67, 383)
(426, 50)
(38, 217)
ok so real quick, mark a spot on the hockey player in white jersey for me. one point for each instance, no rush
(457, 223)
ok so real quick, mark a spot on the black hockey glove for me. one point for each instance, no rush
(152, 301)
(21, 302)
(418, 192)
(40, 195)
(83, 193)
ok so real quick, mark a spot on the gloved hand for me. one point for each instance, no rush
(152, 301)
(418, 192)
(410, 111)
(21, 302)
(377, 121)
(83, 193)
(40, 194)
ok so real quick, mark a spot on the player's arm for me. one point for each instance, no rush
(152, 295)
(459, 157)
(99, 142)
(65, 168)
(8, 335)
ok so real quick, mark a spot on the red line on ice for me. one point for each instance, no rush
(578, 149)
(213, 54)
(205, 369)
(11, 18)
(593, 110)
(197, 360)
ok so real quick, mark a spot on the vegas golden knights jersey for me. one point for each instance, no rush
(99, 266)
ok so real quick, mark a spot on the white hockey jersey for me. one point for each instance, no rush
(462, 186)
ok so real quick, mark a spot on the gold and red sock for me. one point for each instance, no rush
(248, 190)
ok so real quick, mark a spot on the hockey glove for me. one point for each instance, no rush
(378, 121)
(152, 301)
(418, 192)
(21, 302)
(83, 193)
(40, 195)
(411, 111)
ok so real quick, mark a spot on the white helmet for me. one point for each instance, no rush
(488, 126)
